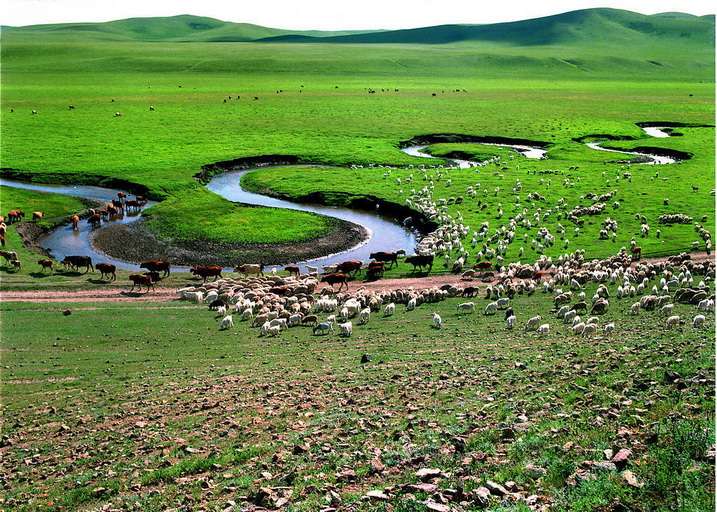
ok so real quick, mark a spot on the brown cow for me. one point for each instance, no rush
(139, 280)
(46, 264)
(636, 253)
(419, 261)
(347, 267)
(205, 272)
(483, 265)
(95, 219)
(107, 269)
(390, 257)
(156, 266)
(332, 279)
(293, 270)
(75, 223)
(38, 215)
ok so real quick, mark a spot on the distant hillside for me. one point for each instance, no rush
(183, 28)
(612, 27)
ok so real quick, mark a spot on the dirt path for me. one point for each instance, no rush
(163, 293)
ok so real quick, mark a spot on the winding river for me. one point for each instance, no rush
(385, 234)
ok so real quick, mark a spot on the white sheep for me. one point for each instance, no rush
(274, 330)
(510, 322)
(346, 329)
(589, 329)
(698, 321)
(608, 328)
(672, 321)
(324, 328)
(467, 307)
(411, 304)
(491, 309)
(227, 322)
(437, 321)
(533, 323)
(390, 309)
(364, 316)
(543, 329)
(578, 328)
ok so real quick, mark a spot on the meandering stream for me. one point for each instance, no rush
(385, 234)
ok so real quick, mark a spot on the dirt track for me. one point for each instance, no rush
(165, 293)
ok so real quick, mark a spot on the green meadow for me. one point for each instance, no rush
(148, 405)
(314, 104)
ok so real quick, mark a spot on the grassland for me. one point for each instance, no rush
(124, 405)
(313, 105)
(150, 406)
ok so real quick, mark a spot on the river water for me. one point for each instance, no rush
(385, 234)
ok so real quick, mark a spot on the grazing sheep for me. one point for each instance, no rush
(510, 322)
(467, 307)
(608, 328)
(533, 323)
(227, 322)
(578, 328)
(346, 329)
(698, 321)
(437, 321)
(323, 328)
(273, 330)
(491, 309)
(411, 304)
(589, 329)
(543, 329)
(389, 310)
(673, 321)
(364, 316)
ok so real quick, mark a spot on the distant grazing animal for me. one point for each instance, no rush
(14, 216)
(2, 240)
(9, 256)
(348, 267)
(107, 269)
(227, 322)
(375, 272)
(205, 272)
(510, 322)
(75, 222)
(673, 321)
(16, 264)
(323, 328)
(437, 321)
(310, 320)
(543, 329)
(420, 261)
(346, 329)
(390, 257)
(140, 280)
(75, 262)
(250, 268)
(95, 219)
(467, 307)
(332, 279)
(292, 270)
(71, 107)
(483, 265)
(533, 323)
(46, 264)
(636, 252)
(156, 266)
(38, 215)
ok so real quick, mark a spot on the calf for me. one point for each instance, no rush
(332, 279)
(139, 280)
(46, 264)
(107, 269)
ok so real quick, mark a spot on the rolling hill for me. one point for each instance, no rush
(581, 27)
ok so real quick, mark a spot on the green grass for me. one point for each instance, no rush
(326, 116)
(172, 404)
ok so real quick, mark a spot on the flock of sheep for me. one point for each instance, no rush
(276, 303)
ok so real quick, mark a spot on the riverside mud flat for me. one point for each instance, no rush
(134, 243)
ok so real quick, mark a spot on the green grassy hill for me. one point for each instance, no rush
(182, 28)
(588, 26)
